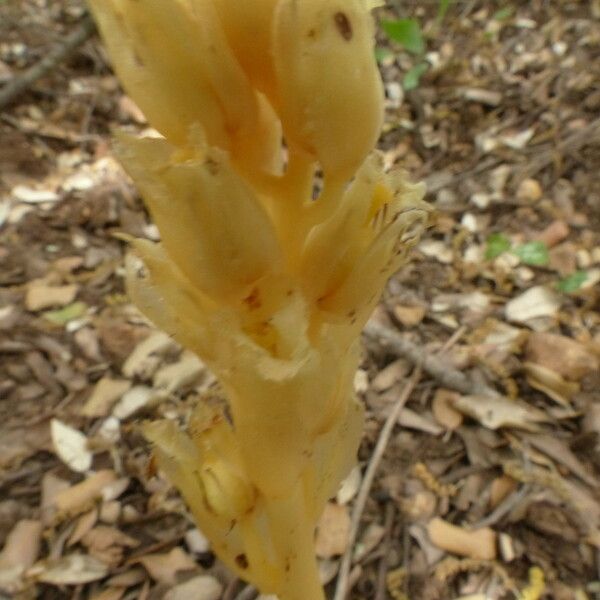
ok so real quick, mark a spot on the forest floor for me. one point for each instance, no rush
(504, 287)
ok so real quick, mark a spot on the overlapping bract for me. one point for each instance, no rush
(269, 285)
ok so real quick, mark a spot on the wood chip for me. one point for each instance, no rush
(39, 296)
(486, 97)
(78, 497)
(333, 531)
(500, 489)
(409, 316)
(478, 544)
(529, 190)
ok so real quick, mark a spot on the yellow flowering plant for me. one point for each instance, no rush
(259, 103)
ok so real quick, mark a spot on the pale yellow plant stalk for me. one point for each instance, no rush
(269, 286)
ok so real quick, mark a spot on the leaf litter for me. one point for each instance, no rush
(508, 273)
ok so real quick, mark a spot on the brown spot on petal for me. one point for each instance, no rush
(253, 301)
(342, 22)
(241, 561)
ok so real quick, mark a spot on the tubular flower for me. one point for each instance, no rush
(269, 285)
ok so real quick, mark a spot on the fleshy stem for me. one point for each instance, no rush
(294, 541)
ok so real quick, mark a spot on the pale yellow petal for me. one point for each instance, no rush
(329, 85)
(212, 224)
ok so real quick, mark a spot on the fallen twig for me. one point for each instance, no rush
(361, 500)
(18, 84)
(431, 364)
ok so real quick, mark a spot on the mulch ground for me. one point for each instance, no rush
(504, 128)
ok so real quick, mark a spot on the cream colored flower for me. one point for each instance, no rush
(268, 284)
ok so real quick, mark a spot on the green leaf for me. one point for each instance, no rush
(443, 9)
(533, 253)
(413, 76)
(497, 243)
(503, 13)
(63, 315)
(572, 282)
(383, 54)
(406, 32)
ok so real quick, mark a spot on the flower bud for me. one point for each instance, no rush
(175, 62)
(211, 222)
(330, 91)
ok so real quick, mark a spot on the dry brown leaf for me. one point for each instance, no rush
(17, 444)
(537, 308)
(555, 233)
(203, 587)
(591, 420)
(78, 497)
(180, 374)
(444, 412)
(107, 544)
(40, 295)
(104, 395)
(529, 190)
(328, 569)
(31, 195)
(85, 523)
(137, 400)
(409, 316)
(147, 355)
(103, 537)
(133, 576)
(559, 451)
(163, 568)
(500, 489)
(498, 412)
(350, 486)
(421, 422)
(550, 383)
(565, 356)
(71, 446)
(22, 546)
(88, 342)
(111, 593)
(477, 543)
(333, 531)
(52, 486)
(74, 569)
(390, 375)
(110, 512)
